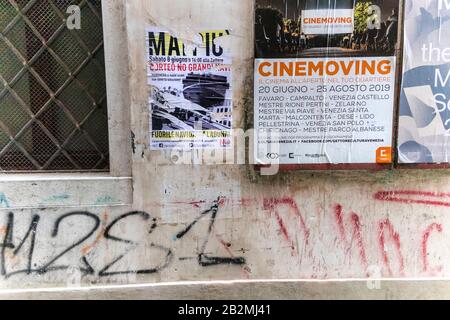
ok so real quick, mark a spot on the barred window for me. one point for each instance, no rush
(53, 110)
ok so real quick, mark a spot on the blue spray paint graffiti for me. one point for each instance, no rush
(106, 200)
(57, 198)
(3, 201)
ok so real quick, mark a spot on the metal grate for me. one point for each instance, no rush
(53, 112)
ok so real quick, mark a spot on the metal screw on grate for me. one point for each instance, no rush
(53, 112)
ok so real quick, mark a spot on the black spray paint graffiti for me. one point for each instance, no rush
(104, 272)
(203, 259)
(8, 246)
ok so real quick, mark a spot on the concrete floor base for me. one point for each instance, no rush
(248, 290)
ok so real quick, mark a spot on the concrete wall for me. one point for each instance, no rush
(296, 225)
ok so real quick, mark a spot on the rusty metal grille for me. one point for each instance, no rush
(53, 112)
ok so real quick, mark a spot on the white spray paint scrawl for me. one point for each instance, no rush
(190, 98)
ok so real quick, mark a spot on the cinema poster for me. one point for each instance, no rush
(190, 90)
(424, 124)
(325, 76)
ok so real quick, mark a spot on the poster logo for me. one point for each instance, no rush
(327, 21)
(384, 155)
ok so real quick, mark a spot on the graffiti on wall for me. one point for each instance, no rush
(348, 226)
(22, 238)
(3, 201)
(92, 223)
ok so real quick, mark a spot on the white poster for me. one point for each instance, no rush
(325, 75)
(317, 108)
(190, 98)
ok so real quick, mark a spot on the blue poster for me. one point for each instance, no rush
(424, 124)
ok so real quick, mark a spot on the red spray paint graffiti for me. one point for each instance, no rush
(359, 240)
(349, 227)
(415, 197)
(356, 233)
(425, 238)
(384, 226)
(273, 205)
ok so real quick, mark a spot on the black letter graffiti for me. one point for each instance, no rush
(8, 243)
(166, 255)
(107, 234)
(203, 259)
(88, 269)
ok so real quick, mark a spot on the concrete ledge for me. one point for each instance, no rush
(248, 290)
(45, 191)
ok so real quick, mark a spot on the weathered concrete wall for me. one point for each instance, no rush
(292, 227)
(199, 222)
